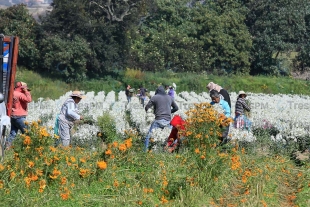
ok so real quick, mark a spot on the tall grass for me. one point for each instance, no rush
(53, 88)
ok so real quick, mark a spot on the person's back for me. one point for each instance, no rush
(162, 105)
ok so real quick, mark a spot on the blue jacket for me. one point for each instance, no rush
(225, 107)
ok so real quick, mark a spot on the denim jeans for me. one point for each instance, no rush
(162, 123)
(16, 124)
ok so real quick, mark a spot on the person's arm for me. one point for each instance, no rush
(226, 109)
(25, 96)
(149, 104)
(174, 107)
(245, 106)
(71, 111)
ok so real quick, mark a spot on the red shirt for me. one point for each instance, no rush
(20, 102)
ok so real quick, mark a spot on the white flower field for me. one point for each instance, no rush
(288, 113)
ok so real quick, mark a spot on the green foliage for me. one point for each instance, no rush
(278, 26)
(67, 57)
(194, 37)
(16, 21)
(106, 124)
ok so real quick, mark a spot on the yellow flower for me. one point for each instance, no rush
(102, 165)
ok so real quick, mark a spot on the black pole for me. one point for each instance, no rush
(1, 62)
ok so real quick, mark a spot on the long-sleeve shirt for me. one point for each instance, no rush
(69, 110)
(224, 106)
(20, 102)
(162, 105)
(241, 106)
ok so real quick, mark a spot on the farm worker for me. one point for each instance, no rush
(21, 98)
(174, 138)
(216, 99)
(68, 114)
(241, 120)
(128, 93)
(171, 92)
(142, 95)
(223, 93)
(162, 104)
(167, 89)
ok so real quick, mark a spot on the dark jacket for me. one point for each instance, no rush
(162, 105)
(225, 94)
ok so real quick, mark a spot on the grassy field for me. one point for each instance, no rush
(120, 173)
(53, 88)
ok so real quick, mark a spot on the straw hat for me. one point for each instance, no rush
(241, 93)
(78, 94)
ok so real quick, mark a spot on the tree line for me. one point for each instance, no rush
(92, 38)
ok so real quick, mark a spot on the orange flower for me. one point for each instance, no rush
(63, 180)
(30, 164)
(102, 165)
(1, 167)
(128, 142)
(115, 144)
(108, 152)
(12, 175)
(122, 147)
(83, 172)
(197, 151)
(115, 183)
(163, 199)
(64, 196)
(27, 140)
(55, 174)
(1, 184)
(202, 157)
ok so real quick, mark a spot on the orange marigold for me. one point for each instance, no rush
(27, 140)
(108, 152)
(122, 147)
(102, 165)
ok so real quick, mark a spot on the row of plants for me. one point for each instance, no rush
(119, 172)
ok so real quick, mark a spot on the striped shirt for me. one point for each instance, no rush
(241, 106)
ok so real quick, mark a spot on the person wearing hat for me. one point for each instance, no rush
(21, 98)
(223, 93)
(68, 114)
(241, 120)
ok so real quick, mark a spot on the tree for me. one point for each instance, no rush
(193, 36)
(16, 21)
(276, 27)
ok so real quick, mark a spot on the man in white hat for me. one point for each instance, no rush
(68, 114)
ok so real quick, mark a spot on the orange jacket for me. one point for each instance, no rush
(21, 99)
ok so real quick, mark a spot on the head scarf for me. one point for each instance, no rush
(212, 86)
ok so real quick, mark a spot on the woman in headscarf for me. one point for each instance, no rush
(223, 93)
(241, 121)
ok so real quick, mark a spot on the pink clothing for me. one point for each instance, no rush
(21, 99)
(212, 86)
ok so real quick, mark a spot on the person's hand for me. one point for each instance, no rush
(81, 117)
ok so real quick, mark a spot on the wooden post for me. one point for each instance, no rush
(12, 76)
